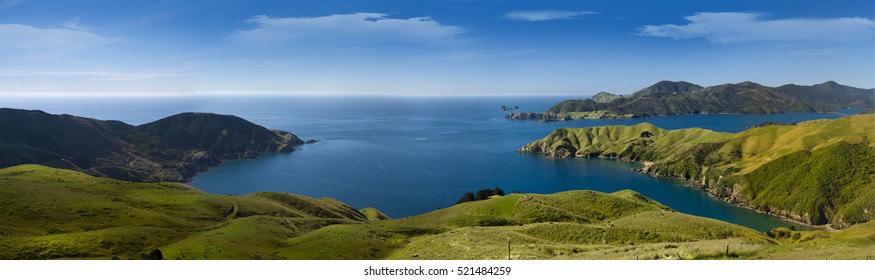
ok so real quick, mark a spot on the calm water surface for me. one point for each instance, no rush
(408, 156)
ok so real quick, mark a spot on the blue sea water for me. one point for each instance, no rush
(411, 155)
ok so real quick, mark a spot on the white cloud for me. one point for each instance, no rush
(110, 76)
(751, 27)
(545, 15)
(9, 3)
(19, 36)
(347, 28)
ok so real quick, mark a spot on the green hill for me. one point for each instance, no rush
(856, 242)
(563, 225)
(56, 213)
(174, 148)
(668, 98)
(819, 172)
(373, 214)
(48, 213)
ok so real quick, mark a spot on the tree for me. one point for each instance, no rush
(155, 254)
(483, 194)
(469, 196)
(498, 191)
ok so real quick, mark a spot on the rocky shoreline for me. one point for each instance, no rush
(696, 184)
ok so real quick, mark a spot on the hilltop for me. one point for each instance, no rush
(174, 148)
(817, 172)
(667, 98)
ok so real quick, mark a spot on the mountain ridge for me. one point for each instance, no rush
(173, 148)
(666, 98)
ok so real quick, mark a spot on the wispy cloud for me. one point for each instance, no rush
(71, 36)
(347, 29)
(751, 27)
(110, 76)
(545, 15)
(5, 4)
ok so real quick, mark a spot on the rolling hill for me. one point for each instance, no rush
(174, 148)
(49, 213)
(817, 172)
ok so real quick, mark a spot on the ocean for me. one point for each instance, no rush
(411, 155)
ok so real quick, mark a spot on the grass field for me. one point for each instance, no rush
(48, 213)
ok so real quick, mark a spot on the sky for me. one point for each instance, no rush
(436, 47)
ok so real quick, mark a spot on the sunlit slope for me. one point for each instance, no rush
(48, 213)
(574, 224)
(826, 164)
(55, 213)
(856, 242)
(373, 214)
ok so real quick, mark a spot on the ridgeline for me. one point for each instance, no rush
(668, 98)
(174, 148)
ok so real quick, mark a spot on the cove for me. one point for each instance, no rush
(411, 155)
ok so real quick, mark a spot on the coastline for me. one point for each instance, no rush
(695, 184)
(611, 116)
(691, 183)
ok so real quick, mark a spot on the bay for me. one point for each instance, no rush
(411, 155)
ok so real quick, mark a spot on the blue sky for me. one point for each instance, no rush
(449, 47)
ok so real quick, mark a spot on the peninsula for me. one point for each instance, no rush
(817, 172)
(174, 148)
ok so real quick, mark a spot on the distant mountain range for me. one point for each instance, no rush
(668, 98)
(174, 148)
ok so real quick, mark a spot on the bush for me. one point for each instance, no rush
(155, 254)
(469, 196)
(481, 195)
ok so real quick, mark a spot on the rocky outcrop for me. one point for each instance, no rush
(526, 116)
(536, 116)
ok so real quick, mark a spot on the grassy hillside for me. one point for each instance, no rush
(55, 213)
(856, 242)
(373, 214)
(48, 213)
(817, 171)
(574, 224)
